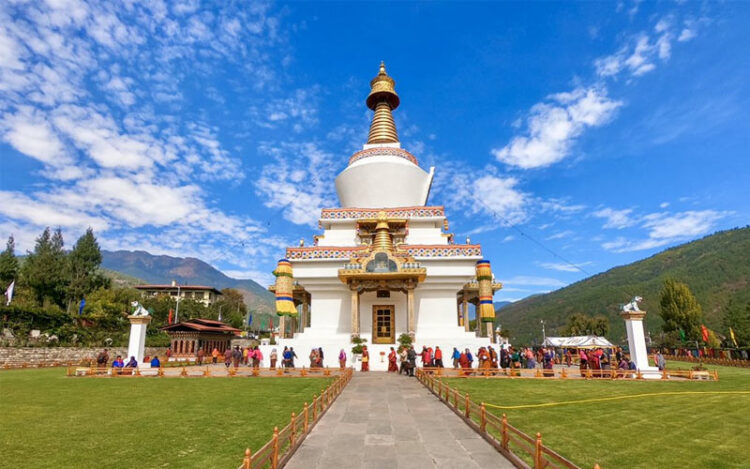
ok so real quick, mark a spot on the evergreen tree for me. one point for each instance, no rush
(44, 268)
(680, 310)
(8, 264)
(83, 264)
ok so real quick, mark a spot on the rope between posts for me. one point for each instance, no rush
(615, 398)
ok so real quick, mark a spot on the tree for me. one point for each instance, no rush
(231, 305)
(8, 264)
(44, 268)
(680, 310)
(83, 265)
(582, 324)
(738, 318)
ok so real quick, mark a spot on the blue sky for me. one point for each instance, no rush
(604, 131)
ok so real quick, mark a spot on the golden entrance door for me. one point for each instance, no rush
(383, 319)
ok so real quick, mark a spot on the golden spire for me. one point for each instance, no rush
(383, 240)
(382, 99)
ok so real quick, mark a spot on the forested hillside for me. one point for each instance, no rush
(716, 268)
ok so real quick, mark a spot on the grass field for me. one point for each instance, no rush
(686, 431)
(49, 420)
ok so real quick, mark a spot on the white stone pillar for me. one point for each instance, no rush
(637, 343)
(137, 342)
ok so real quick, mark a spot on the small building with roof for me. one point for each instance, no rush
(201, 293)
(188, 336)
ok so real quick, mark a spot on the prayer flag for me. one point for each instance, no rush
(734, 339)
(682, 335)
(171, 316)
(81, 305)
(704, 333)
(249, 319)
(9, 292)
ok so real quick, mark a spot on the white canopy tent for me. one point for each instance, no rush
(582, 341)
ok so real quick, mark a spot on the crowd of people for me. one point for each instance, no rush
(405, 359)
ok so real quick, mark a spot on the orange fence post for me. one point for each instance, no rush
(183, 372)
(664, 374)
(482, 418)
(440, 390)
(307, 418)
(564, 374)
(293, 425)
(246, 461)
(275, 454)
(467, 406)
(315, 407)
(505, 437)
(538, 452)
(455, 399)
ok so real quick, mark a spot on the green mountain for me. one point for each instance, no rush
(716, 268)
(132, 267)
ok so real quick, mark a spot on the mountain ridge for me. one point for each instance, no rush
(162, 269)
(715, 267)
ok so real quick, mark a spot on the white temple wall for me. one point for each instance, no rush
(328, 308)
(437, 313)
(339, 235)
(425, 233)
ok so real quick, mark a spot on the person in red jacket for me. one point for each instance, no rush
(438, 357)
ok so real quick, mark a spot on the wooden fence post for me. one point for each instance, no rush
(315, 407)
(455, 399)
(467, 406)
(293, 425)
(440, 390)
(482, 418)
(246, 461)
(564, 374)
(307, 418)
(505, 436)
(664, 374)
(183, 372)
(275, 454)
(538, 452)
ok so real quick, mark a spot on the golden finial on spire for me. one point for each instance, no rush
(382, 99)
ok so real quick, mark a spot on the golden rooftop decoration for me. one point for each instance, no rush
(382, 99)
(383, 240)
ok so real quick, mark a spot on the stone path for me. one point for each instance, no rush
(382, 420)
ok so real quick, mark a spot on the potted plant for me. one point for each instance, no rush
(404, 342)
(357, 349)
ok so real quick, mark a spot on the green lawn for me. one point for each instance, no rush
(691, 431)
(50, 420)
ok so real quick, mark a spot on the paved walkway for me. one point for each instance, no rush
(386, 421)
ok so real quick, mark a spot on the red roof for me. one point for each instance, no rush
(202, 325)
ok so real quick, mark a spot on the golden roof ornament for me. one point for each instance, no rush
(382, 99)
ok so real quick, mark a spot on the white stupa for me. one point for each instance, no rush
(384, 264)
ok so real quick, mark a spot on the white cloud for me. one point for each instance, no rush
(554, 125)
(643, 51)
(617, 219)
(77, 82)
(29, 132)
(560, 235)
(686, 34)
(664, 228)
(533, 281)
(299, 181)
(562, 267)
(490, 194)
